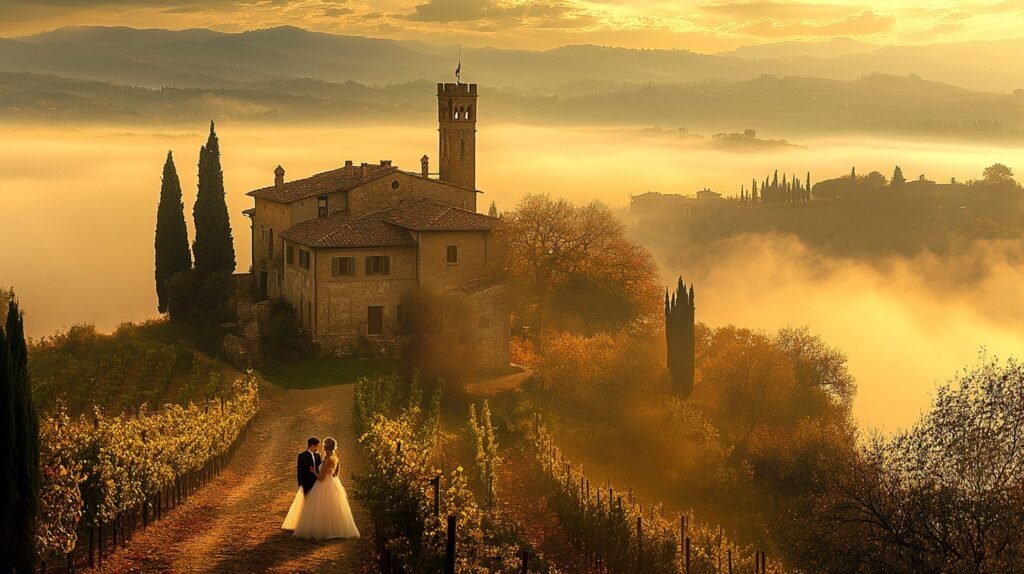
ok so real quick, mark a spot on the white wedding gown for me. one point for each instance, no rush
(322, 514)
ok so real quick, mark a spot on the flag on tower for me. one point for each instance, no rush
(458, 69)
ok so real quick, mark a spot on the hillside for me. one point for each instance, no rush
(791, 106)
(199, 58)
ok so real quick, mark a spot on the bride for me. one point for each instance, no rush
(324, 513)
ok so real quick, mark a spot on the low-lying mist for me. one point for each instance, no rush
(904, 323)
(78, 216)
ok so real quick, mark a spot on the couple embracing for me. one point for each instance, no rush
(320, 510)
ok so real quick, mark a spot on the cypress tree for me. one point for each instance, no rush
(493, 211)
(25, 459)
(214, 248)
(7, 434)
(897, 177)
(680, 339)
(171, 245)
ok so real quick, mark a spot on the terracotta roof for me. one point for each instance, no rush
(323, 183)
(430, 215)
(340, 231)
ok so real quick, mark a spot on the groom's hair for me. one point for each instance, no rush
(313, 441)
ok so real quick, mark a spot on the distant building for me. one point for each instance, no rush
(707, 196)
(347, 245)
(656, 204)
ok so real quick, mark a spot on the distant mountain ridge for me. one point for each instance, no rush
(791, 107)
(796, 49)
(201, 58)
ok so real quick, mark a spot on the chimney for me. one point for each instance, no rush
(348, 164)
(425, 166)
(279, 177)
(366, 168)
(385, 163)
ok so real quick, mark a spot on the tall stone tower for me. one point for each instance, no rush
(456, 119)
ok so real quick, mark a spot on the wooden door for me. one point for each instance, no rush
(375, 320)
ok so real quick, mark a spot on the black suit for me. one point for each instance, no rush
(303, 475)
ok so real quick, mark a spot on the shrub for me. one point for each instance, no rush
(285, 339)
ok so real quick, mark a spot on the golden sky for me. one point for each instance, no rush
(698, 25)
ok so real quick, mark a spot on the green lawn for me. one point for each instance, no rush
(315, 373)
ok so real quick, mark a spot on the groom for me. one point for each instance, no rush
(307, 464)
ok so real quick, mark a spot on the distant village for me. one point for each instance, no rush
(789, 189)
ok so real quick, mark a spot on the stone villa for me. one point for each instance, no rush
(346, 246)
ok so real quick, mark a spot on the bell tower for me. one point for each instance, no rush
(456, 119)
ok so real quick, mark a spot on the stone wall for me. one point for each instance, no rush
(342, 302)
(491, 320)
(299, 287)
(381, 194)
(276, 217)
(436, 273)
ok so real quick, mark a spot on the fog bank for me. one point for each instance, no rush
(905, 324)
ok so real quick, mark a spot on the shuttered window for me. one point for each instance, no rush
(343, 266)
(378, 265)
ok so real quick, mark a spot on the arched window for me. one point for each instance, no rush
(469, 113)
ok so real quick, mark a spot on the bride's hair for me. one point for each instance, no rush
(330, 445)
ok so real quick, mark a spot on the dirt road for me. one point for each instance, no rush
(233, 525)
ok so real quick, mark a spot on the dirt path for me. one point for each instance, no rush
(492, 385)
(233, 525)
(521, 494)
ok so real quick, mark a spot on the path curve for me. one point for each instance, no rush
(233, 524)
(493, 384)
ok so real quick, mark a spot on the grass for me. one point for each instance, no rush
(316, 373)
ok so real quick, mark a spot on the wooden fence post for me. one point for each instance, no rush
(639, 539)
(436, 483)
(526, 562)
(687, 555)
(449, 555)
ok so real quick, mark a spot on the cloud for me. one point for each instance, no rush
(767, 9)
(471, 10)
(863, 24)
(337, 11)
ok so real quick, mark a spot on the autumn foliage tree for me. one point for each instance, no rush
(945, 496)
(572, 268)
